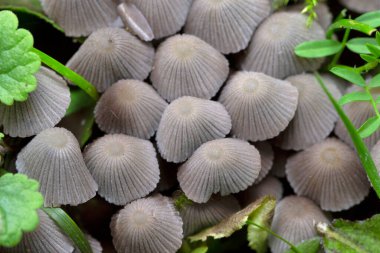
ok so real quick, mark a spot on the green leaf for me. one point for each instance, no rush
(310, 246)
(359, 45)
(370, 18)
(262, 216)
(202, 249)
(1, 136)
(17, 62)
(354, 25)
(375, 50)
(231, 224)
(71, 229)
(369, 127)
(87, 129)
(318, 48)
(33, 5)
(354, 97)
(375, 81)
(369, 58)
(79, 101)
(351, 237)
(378, 38)
(349, 74)
(19, 201)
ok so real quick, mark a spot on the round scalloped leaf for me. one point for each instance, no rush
(17, 62)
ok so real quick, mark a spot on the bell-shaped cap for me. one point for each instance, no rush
(260, 106)
(43, 109)
(55, 160)
(222, 166)
(130, 107)
(187, 66)
(271, 50)
(187, 123)
(112, 54)
(330, 173)
(150, 225)
(361, 6)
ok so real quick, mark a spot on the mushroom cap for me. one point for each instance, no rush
(150, 225)
(324, 15)
(130, 107)
(222, 166)
(315, 117)
(375, 152)
(361, 6)
(187, 66)
(198, 216)
(95, 245)
(80, 18)
(267, 157)
(166, 17)
(271, 50)
(227, 25)
(55, 160)
(47, 237)
(330, 173)
(340, 83)
(187, 123)
(112, 54)
(43, 109)
(124, 167)
(260, 106)
(294, 219)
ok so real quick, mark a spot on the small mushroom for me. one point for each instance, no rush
(130, 107)
(80, 18)
(150, 225)
(222, 166)
(267, 157)
(330, 173)
(271, 50)
(260, 106)
(361, 6)
(55, 160)
(294, 219)
(187, 123)
(43, 109)
(227, 25)
(112, 54)
(124, 167)
(187, 66)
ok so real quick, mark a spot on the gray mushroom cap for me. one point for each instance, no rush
(361, 6)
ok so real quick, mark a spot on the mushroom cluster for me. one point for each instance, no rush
(178, 112)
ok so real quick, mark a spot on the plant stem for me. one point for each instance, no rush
(292, 247)
(343, 43)
(373, 103)
(68, 73)
(366, 67)
(361, 148)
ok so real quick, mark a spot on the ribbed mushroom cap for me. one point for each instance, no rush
(80, 18)
(54, 159)
(112, 54)
(260, 106)
(198, 216)
(294, 219)
(46, 238)
(340, 83)
(271, 50)
(267, 157)
(324, 15)
(95, 245)
(130, 107)
(187, 123)
(227, 25)
(358, 113)
(124, 167)
(43, 109)
(150, 225)
(329, 173)
(361, 6)
(268, 186)
(375, 152)
(166, 17)
(187, 66)
(315, 116)
(222, 166)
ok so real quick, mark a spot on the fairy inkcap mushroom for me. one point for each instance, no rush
(271, 50)
(315, 117)
(294, 219)
(227, 25)
(80, 18)
(267, 157)
(166, 17)
(330, 173)
(130, 107)
(150, 225)
(222, 166)
(187, 66)
(43, 109)
(54, 159)
(260, 106)
(124, 167)
(361, 6)
(187, 123)
(112, 54)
